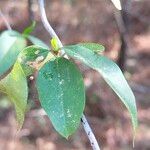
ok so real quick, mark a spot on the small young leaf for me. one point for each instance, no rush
(110, 72)
(93, 47)
(54, 44)
(14, 85)
(11, 43)
(37, 42)
(29, 29)
(62, 94)
(31, 58)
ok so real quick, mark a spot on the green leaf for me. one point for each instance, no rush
(93, 47)
(11, 43)
(14, 85)
(31, 58)
(62, 94)
(111, 74)
(37, 42)
(54, 44)
(29, 29)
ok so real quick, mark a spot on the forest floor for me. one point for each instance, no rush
(82, 21)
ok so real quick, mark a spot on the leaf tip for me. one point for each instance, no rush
(67, 137)
(103, 48)
(135, 128)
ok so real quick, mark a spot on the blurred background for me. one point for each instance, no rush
(126, 36)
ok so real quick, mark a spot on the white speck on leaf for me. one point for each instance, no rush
(37, 52)
(40, 58)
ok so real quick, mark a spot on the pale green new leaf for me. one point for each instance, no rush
(14, 85)
(54, 44)
(29, 29)
(36, 41)
(62, 94)
(111, 74)
(11, 43)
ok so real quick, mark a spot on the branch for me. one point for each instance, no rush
(5, 21)
(46, 23)
(90, 133)
(52, 33)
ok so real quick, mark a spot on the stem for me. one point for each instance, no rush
(47, 24)
(90, 133)
(5, 21)
(52, 33)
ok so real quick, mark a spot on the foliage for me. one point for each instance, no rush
(14, 85)
(29, 29)
(62, 94)
(11, 43)
(59, 82)
(31, 58)
(110, 72)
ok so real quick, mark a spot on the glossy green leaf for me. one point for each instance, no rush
(37, 41)
(31, 58)
(29, 29)
(14, 85)
(11, 43)
(92, 46)
(62, 94)
(110, 72)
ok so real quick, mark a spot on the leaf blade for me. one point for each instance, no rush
(92, 46)
(11, 86)
(111, 74)
(29, 29)
(31, 58)
(11, 43)
(61, 92)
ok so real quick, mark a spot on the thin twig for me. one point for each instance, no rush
(46, 23)
(52, 33)
(89, 133)
(5, 21)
